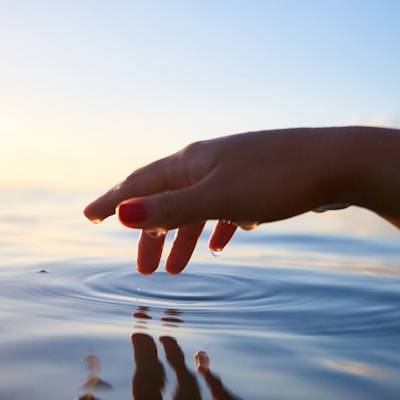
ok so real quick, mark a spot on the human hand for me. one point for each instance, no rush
(247, 179)
(240, 180)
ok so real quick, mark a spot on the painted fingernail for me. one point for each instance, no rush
(132, 212)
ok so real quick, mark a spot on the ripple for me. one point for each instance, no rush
(291, 301)
(200, 288)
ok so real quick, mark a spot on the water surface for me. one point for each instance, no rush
(302, 309)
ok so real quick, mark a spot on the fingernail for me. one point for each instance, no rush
(132, 212)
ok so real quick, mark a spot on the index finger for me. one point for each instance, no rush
(179, 170)
(156, 177)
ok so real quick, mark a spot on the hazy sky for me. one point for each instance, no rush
(90, 90)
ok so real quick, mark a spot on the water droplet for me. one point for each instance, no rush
(216, 253)
(95, 220)
(157, 233)
(248, 226)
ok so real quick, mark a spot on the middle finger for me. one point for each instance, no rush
(150, 248)
(183, 246)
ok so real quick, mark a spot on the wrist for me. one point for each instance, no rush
(365, 168)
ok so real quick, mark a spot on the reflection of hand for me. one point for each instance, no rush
(149, 376)
(250, 179)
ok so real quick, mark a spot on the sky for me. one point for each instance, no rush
(91, 89)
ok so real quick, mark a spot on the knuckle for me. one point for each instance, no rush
(190, 233)
(169, 206)
(192, 148)
(198, 160)
(178, 173)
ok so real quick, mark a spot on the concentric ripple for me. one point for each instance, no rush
(198, 288)
(285, 300)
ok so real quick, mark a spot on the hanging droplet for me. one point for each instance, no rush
(248, 226)
(157, 233)
(216, 253)
(95, 220)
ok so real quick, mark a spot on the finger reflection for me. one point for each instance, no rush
(214, 383)
(149, 376)
(172, 317)
(93, 381)
(186, 385)
(142, 312)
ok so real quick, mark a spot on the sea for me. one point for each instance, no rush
(302, 309)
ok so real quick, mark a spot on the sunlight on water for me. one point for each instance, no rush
(356, 368)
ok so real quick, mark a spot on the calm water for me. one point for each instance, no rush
(303, 309)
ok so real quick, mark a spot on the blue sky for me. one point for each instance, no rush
(91, 90)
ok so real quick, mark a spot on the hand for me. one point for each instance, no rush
(247, 179)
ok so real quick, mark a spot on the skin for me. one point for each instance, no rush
(252, 178)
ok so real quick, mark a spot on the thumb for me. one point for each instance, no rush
(167, 210)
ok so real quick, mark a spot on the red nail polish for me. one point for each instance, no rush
(132, 212)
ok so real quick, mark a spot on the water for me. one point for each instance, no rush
(307, 308)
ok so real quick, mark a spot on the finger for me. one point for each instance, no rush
(148, 180)
(221, 235)
(149, 252)
(172, 209)
(179, 170)
(183, 247)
